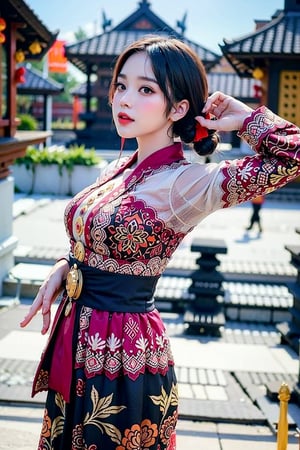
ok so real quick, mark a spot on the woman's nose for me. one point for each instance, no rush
(125, 99)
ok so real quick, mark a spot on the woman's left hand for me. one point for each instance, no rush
(47, 294)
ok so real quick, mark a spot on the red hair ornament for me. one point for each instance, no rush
(201, 132)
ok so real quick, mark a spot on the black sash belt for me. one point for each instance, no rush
(114, 292)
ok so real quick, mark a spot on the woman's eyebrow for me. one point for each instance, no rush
(142, 78)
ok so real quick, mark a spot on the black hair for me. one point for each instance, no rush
(180, 75)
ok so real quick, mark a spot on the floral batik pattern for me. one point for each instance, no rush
(107, 421)
(122, 344)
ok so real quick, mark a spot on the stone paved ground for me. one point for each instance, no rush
(212, 372)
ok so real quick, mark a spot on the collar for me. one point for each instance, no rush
(162, 157)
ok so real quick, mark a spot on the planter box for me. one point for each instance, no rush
(83, 176)
(47, 179)
(23, 178)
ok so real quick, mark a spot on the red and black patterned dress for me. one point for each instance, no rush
(108, 366)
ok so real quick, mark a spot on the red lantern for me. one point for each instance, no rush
(2, 27)
(19, 56)
(20, 75)
(2, 24)
(258, 73)
(35, 48)
(257, 90)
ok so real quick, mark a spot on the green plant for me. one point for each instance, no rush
(78, 155)
(30, 159)
(75, 155)
(27, 122)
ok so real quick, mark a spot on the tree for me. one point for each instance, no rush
(80, 34)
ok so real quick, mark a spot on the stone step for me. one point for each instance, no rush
(24, 280)
(182, 264)
(242, 301)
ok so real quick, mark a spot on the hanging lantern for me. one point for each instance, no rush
(35, 48)
(258, 91)
(258, 73)
(20, 75)
(19, 56)
(2, 24)
(2, 28)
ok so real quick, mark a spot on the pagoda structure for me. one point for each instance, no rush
(271, 54)
(96, 56)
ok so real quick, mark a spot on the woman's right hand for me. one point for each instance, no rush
(47, 294)
(228, 113)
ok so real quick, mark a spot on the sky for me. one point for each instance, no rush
(208, 22)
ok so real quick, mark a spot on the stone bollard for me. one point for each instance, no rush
(204, 313)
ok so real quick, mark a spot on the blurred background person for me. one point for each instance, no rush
(257, 203)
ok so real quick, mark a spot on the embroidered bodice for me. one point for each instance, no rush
(133, 219)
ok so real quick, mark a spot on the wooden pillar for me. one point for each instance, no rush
(48, 117)
(88, 90)
(12, 85)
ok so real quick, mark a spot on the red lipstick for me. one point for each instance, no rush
(124, 119)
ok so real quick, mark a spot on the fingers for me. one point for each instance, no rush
(229, 113)
(35, 307)
(41, 302)
(207, 123)
(213, 101)
(48, 297)
(217, 104)
(47, 294)
(46, 322)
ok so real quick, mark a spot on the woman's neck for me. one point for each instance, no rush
(147, 149)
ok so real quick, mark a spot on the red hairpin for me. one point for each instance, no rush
(201, 132)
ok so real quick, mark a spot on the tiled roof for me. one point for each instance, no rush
(36, 84)
(80, 90)
(278, 38)
(232, 84)
(112, 43)
(143, 14)
(34, 29)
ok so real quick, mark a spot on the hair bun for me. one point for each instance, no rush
(207, 145)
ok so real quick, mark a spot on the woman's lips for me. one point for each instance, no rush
(124, 119)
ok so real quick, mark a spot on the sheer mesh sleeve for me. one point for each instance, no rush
(203, 188)
(196, 192)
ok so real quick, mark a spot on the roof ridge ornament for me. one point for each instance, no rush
(144, 4)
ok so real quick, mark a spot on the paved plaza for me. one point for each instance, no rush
(223, 403)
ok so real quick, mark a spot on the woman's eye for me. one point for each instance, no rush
(119, 87)
(146, 90)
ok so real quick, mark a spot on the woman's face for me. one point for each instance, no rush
(139, 106)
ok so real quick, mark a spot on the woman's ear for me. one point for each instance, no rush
(179, 110)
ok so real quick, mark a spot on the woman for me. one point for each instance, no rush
(108, 366)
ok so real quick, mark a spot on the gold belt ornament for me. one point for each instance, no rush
(79, 251)
(74, 280)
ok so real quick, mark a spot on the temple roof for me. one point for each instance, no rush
(231, 84)
(31, 29)
(111, 43)
(278, 38)
(36, 84)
